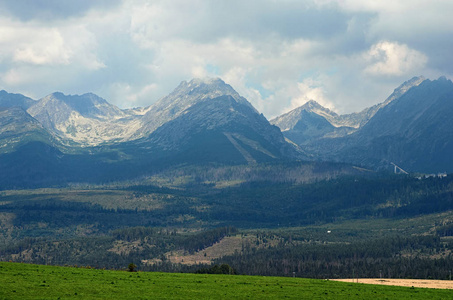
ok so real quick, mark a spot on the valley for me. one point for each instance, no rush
(322, 229)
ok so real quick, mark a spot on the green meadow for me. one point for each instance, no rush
(27, 281)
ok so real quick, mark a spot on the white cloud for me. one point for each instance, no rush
(33, 43)
(46, 47)
(145, 92)
(304, 91)
(346, 54)
(17, 76)
(391, 58)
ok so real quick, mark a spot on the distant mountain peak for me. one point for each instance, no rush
(86, 119)
(290, 119)
(186, 95)
(87, 98)
(206, 81)
(201, 88)
(314, 106)
(88, 104)
(56, 95)
(11, 100)
(403, 88)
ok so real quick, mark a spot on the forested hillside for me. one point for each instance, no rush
(313, 229)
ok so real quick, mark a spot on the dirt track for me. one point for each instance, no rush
(423, 283)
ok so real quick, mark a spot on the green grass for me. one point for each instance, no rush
(26, 281)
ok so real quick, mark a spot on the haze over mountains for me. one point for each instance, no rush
(207, 121)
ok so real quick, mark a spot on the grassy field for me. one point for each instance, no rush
(26, 281)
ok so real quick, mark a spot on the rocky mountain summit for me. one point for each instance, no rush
(86, 120)
(182, 98)
(311, 121)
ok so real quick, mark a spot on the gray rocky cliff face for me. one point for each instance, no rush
(87, 120)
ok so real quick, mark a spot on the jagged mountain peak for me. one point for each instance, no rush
(311, 103)
(414, 130)
(403, 88)
(87, 99)
(221, 129)
(87, 105)
(84, 119)
(202, 88)
(214, 82)
(354, 120)
(289, 120)
(183, 97)
(314, 106)
(11, 100)
(17, 127)
(206, 81)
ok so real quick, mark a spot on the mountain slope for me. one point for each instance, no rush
(310, 121)
(182, 98)
(222, 130)
(359, 119)
(12, 100)
(17, 128)
(414, 131)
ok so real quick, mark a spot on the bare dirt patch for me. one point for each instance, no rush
(226, 246)
(422, 283)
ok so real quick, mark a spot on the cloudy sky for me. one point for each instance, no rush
(345, 54)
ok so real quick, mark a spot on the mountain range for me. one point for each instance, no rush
(412, 128)
(83, 137)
